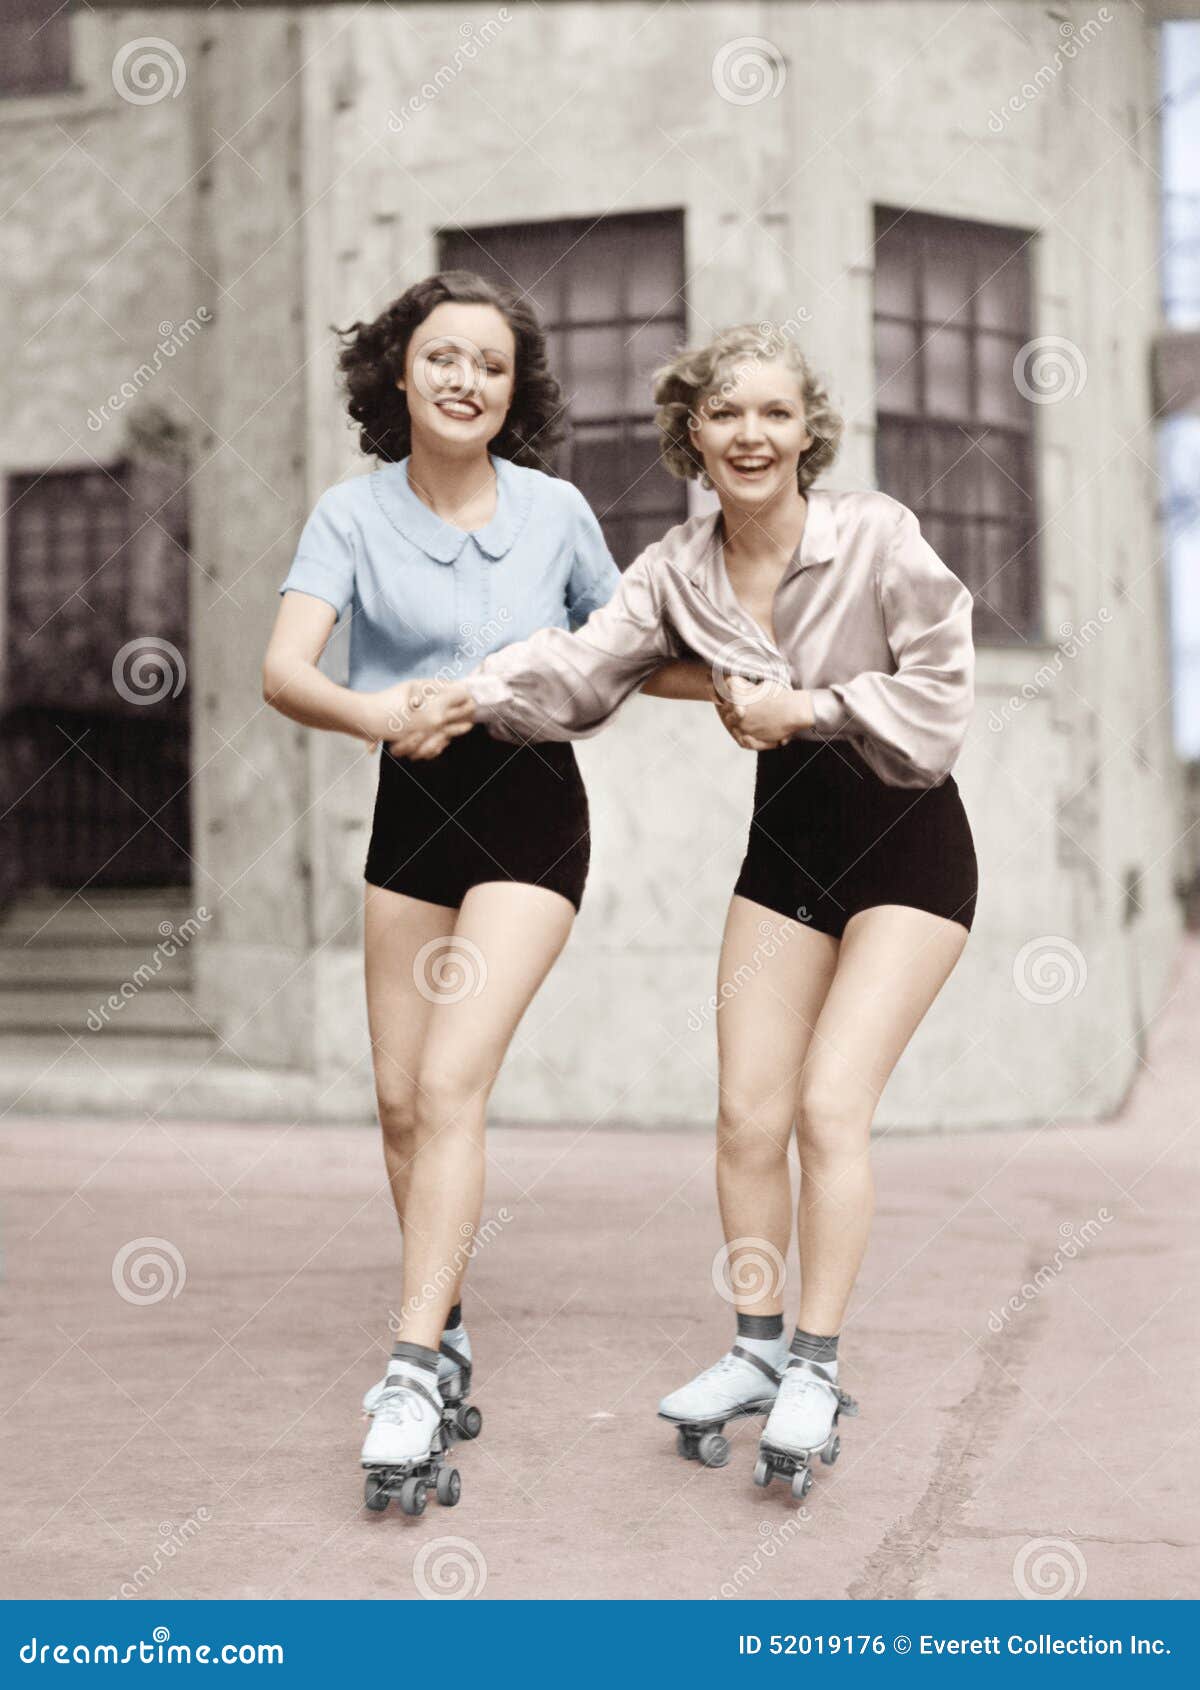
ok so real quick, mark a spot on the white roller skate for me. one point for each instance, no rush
(802, 1424)
(404, 1451)
(740, 1383)
(460, 1419)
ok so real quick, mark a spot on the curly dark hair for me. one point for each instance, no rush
(372, 361)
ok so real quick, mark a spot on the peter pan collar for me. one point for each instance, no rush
(440, 540)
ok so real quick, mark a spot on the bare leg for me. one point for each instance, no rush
(395, 930)
(506, 940)
(772, 980)
(893, 963)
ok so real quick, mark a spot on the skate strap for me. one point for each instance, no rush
(807, 1365)
(405, 1382)
(762, 1366)
(457, 1357)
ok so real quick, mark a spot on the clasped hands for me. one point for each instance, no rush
(762, 715)
(418, 719)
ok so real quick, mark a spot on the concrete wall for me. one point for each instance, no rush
(304, 206)
(1073, 791)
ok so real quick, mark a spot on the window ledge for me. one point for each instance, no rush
(75, 101)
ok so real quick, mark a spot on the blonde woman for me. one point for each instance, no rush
(840, 651)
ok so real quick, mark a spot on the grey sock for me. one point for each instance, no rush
(760, 1326)
(812, 1346)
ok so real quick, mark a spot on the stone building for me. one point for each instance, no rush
(956, 211)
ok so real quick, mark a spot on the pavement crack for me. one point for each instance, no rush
(895, 1569)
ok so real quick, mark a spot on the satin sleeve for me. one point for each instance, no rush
(915, 720)
(560, 685)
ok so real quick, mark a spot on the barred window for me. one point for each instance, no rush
(610, 292)
(955, 431)
(35, 47)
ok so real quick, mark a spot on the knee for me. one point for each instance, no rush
(831, 1123)
(397, 1107)
(447, 1099)
(751, 1139)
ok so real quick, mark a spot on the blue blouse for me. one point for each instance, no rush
(426, 598)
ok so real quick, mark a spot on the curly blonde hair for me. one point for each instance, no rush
(697, 372)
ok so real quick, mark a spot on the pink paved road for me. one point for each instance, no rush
(210, 1438)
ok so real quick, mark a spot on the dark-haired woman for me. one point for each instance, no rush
(458, 544)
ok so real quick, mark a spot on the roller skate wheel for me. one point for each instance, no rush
(831, 1451)
(468, 1423)
(414, 1494)
(801, 1480)
(713, 1449)
(762, 1472)
(449, 1487)
(375, 1493)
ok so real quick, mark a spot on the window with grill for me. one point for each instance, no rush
(610, 294)
(35, 47)
(955, 433)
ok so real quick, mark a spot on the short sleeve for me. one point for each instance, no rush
(594, 576)
(325, 556)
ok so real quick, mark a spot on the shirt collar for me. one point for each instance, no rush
(440, 540)
(818, 543)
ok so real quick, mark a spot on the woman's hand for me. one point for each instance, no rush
(762, 715)
(418, 719)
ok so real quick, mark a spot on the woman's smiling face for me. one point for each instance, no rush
(459, 372)
(750, 432)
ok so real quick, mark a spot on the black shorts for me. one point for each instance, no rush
(829, 838)
(482, 811)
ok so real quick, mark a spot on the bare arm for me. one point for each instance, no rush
(683, 678)
(416, 718)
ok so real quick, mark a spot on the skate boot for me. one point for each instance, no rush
(803, 1423)
(740, 1383)
(404, 1451)
(460, 1420)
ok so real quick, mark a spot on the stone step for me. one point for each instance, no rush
(100, 1013)
(144, 918)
